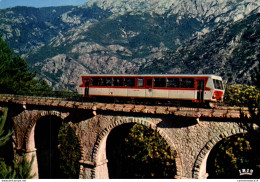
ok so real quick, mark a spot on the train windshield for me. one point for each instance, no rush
(218, 84)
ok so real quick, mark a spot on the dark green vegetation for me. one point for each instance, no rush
(233, 154)
(16, 78)
(241, 96)
(58, 151)
(3, 135)
(11, 169)
(15, 74)
(138, 152)
(19, 169)
(69, 152)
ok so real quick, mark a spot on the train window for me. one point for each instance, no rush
(118, 81)
(95, 81)
(159, 82)
(173, 82)
(149, 82)
(106, 81)
(218, 84)
(130, 82)
(86, 82)
(187, 83)
(140, 82)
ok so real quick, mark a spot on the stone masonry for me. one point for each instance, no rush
(191, 133)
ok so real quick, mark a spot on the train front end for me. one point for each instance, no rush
(217, 93)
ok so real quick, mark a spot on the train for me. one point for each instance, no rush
(171, 88)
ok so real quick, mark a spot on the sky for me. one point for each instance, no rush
(39, 3)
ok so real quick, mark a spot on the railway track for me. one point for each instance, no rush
(193, 112)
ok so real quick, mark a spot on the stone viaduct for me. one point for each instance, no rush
(191, 133)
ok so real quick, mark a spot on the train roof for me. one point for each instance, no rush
(154, 75)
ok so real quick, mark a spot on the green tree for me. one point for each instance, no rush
(139, 152)
(69, 149)
(15, 74)
(4, 137)
(23, 168)
(241, 95)
(146, 149)
(233, 154)
(241, 151)
(20, 169)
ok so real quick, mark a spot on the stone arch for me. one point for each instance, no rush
(29, 141)
(99, 151)
(199, 168)
(29, 136)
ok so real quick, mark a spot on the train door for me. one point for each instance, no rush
(200, 90)
(148, 87)
(86, 91)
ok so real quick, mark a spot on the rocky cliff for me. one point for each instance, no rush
(118, 36)
(232, 51)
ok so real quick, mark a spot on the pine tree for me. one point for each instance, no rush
(6, 172)
(21, 169)
(69, 152)
(15, 74)
(3, 138)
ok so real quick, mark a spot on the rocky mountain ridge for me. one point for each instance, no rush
(232, 51)
(115, 36)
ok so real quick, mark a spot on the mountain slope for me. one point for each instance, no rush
(26, 28)
(231, 51)
(115, 36)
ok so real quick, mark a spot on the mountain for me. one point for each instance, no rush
(27, 28)
(117, 36)
(232, 51)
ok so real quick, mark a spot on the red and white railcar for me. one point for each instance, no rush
(196, 88)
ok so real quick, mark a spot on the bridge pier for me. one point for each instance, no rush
(31, 155)
(190, 141)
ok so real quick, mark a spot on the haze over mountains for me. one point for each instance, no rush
(136, 36)
(39, 3)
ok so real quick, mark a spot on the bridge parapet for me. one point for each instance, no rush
(219, 112)
(190, 132)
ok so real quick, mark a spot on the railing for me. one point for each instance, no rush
(55, 95)
(75, 97)
(220, 112)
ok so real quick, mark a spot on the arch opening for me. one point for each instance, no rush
(234, 157)
(135, 151)
(46, 142)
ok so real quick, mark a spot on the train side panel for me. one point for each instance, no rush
(135, 92)
(158, 93)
